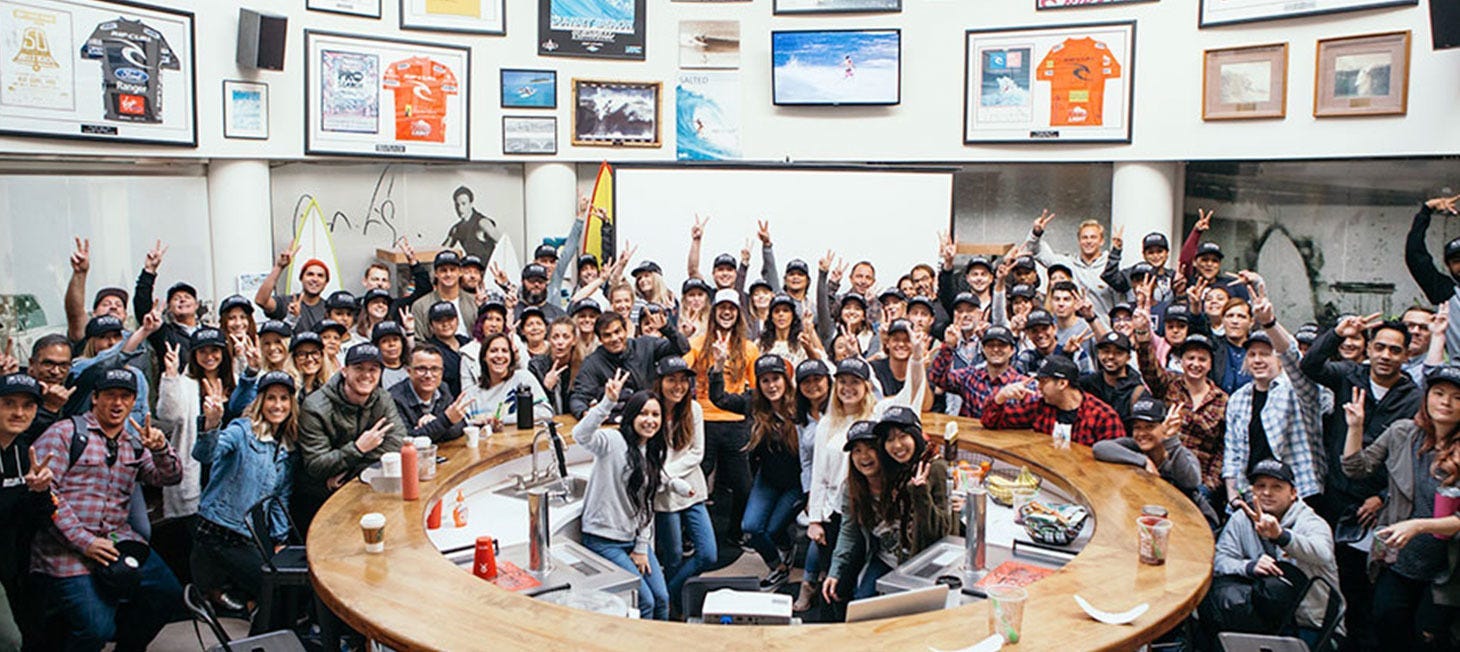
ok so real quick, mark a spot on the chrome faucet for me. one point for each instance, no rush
(548, 428)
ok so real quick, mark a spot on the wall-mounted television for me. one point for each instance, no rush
(836, 67)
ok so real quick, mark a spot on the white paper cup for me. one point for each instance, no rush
(372, 528)
(473, 436)
(390, 465)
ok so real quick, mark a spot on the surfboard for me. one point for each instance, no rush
(598, 237)
(315, 243)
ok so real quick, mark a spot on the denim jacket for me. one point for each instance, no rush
(245, 470)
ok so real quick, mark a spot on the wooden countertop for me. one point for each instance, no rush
(412, 598)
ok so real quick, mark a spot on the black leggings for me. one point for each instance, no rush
(1406, 616)
(726, 458)
(222, 559)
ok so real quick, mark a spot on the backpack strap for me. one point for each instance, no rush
(80, 435)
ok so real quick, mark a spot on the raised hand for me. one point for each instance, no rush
(406, 250)
(583, 205)
(835, 278)
(373, 437)
(1440, 322)
(656, 322)
(407, 320)
(745, 253)
(1196, 292)
(720, 350)
(1085, 309)
(947, 249)
(825, 263)
(1006, 265)
(8, 363)
(1074, 343)
(697, 231)
(152, 321)
(1140, 322)
(170, 360)
(151, 437)
(1262, 310)
(763, 231)
(1118, 241)
(1444, 205)
(1172, 424)
(212, 412)
(614, 386)
(154, 257)
(55, 395)
(1042, 222)
(499, 276)
(285, 258)
(81, 258)
(459, 408)
(1352, 326)
(1145, 291)
(812, 343)
(1204, 219)
(1353, 411)
(550, 379)
(920, 478)
(1012, 392)
(39, 478)
(296, 304)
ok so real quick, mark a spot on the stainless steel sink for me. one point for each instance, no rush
(559, 492)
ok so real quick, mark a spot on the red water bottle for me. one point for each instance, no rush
(484, 565)
(410, 472)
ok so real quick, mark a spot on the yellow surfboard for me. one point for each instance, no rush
(598, 235)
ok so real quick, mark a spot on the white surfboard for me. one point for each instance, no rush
(315, 243)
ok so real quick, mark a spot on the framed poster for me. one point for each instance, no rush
(529, 89)
(1245, 83)
(836, 6)
(1228, 12)
(606, 29)
(245, 109)
(709, 44)
(707, 115)
(1067, 4)
(616, 113)
(379, 97)
(366, 8)
(1070, 83)
(96, 70)
(1362, 75)
(469, 16)
(523, 134)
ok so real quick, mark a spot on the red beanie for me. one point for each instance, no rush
(313, 262)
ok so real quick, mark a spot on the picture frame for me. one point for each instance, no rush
(1042, 5)
(1245, 83)
(781, 7)
(460, 16)
(245, 109)
(1214, 13)
(622, 126)
(1033, 84)
(599, 29)
(836, 67)
(529, 88)
(709, 44)
(99, 70)
(361, 8)
(1362, 75)
(354, 86)
(532, 135)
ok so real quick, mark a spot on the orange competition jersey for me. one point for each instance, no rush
(1077, 70)
(421, 86)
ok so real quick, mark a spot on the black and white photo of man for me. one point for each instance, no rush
(476, 233)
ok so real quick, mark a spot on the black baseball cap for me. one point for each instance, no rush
(587, 260)
(1024, 262)
(901, 417)
(1256, 337)
(1058, 366)
(1148, 409)
(1178, 312)
(758, 283)
(1115, 339)
(19, 383)
(341, 300)
(473, 260)
(770, 363)
(534, 270)
(586, 303)
(235, 301)
(1306, 336)
(1195, 341)
(545, 251)
(860, 431)
(529, 311)
(363, 353)
(306, 337)
(1122, 307)
(276, 327)
(1060, 266)
(103, 293)
(966, 298)
(725, 260)
(1021, 291)
(271, 378)
(646, 267)
(448, 258)
(1155, 241)
(672, 365)
(181, 286)
(1272, 469)
(118, 378)
(493, 304)
(998, 334)
(891, 293)
(1209, 249)
(376, 294)
(386, 329)
(855, 297)
(1038, 318)
(695, 284)
(854, 367)
(899, 326)
(1452, 250)
(441, 310)
(103, 324)
(979, 261)
(204, 337)
(1141, 270)
(782, 299)
(330, 325)
(1446, 373)
(921, 301)
(810, 368)
(798, 265)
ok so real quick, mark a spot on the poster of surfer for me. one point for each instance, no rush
(830, 67)
(1067, 83)
(707, 116)
(836, 6)
(616, 113)
(382, 97)
(529, 89)
(709, 44)
(98, 71)
(607, 29)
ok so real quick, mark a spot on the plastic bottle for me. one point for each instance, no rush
(458, 509)
(524, 408)
(433, 519)
(410, 471)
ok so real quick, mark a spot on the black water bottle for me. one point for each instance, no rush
(524, 407)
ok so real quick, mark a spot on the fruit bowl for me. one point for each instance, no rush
(1001, 484)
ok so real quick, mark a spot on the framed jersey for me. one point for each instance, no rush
(87, 69)
(1070, 83)
(385, 98)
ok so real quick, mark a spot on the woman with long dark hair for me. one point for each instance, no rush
(865, 487)
(680, 503)
(781, 333)
(726, 432)
(618, 505)
(813, 397)
(180, 394)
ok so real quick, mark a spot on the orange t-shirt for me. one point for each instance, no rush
(1077, 70)
(421, 86)
(737, 377)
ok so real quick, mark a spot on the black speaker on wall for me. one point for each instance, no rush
(261, 39)
(1445, 23)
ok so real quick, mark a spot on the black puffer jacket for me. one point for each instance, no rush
(639, 357)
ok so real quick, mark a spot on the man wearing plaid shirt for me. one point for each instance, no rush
(976, 383)
(1274, 416)
(93, 496)
(1056, 408)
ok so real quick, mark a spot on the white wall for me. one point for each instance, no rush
(927, 126)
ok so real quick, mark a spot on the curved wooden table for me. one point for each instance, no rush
(412, 598)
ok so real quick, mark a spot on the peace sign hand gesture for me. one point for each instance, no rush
(697, 230)
(1204, 220)
(1118, 241)
(720, 349)
(212, 413)
(614, 386)
(285, 258)
(1353, 325)
(151, 437)
(407, 321)
(920, 478)
(458, 408)
(763, 231)
(947, 249)
(1074, 343)
(39, 478)
(406, 250)
(1042, 222)
(1353, 411)
(372, 438)
(550, 379)
(154, 257)
(152, 321)
(1444, 205)
(835, 278)
(81, 258)
(170, 360)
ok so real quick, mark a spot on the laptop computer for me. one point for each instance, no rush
(903, 603)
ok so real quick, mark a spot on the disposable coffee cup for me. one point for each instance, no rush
(372, 528)
(390, 465)
(473, 436)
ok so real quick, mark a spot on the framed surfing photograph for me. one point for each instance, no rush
(836, 6)
(529, 89)
(836, 67)
(707, 115)
(466, 16)
(1070, 83)
(604, 29)
(1230, 12)
(1070, 4)
(365, 8)
(1362, 75)
(1245, 83)
(381, 97)
(616, 113)
(91, 70)
(709, 44)
(245, 109)
(522, 134)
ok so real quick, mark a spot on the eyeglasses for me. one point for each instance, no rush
(310, 354)
(428, 371)
(53, 365)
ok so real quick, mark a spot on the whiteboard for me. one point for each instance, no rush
(890, 217)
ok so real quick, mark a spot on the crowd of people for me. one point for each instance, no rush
(760, 412)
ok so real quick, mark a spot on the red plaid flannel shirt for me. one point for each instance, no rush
(1094, 421)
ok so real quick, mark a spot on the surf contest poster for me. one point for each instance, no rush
(607, 29)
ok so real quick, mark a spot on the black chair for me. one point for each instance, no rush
(692, 596)
(1332, 616)
(287, 569)
(277, 641)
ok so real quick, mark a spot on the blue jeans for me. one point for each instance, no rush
(768, 513)
(668, 539)
(93, 618)
(867, 588)
(653, 596)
